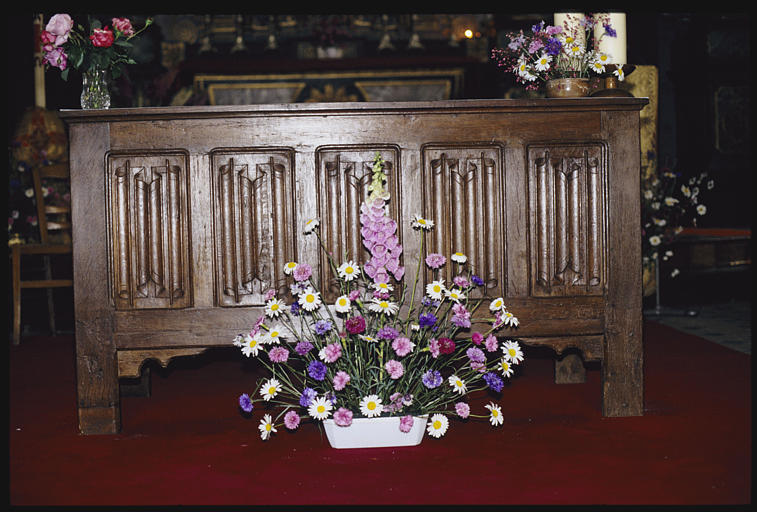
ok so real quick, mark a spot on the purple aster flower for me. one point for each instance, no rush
(553, 46)
(432, 379)
(317, 370)
(387, 333)
(322, 327)
(426, 320)
(245, 403)
(477, 280)
(303, 347)
(308, 394)
(609, 30)
(294, 309)
(493, 381)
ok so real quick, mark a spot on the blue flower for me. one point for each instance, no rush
(494, 381)
(609, 30)
(477, 280)
(322, 327)
(426, 319)
(308, 394)
(245, 403)
(431, 379)
(553, 46)
(317, 370)
(295, 308)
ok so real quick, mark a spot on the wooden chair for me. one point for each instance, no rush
(55, 239)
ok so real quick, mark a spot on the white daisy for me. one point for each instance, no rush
(671, 201)
(542, 63)
(342, 304)
(274, 307)
(574, 50)
(382, 287)
(250, 345)
(437, 425)
(505, 367)
(309, 299)
(455, 294)
(266, 427)
(348, 270)
(495, 417)
(368, 338)
(459, 257)
(371, 406)
(509, 319)
(270, 389)
(457, 384)
(310, 226)
(655, 240)
(289, 267)
(275, 334)
(512, 351)
(620, 73)
(420, 222)
(701, 209)
(598, 67)
(320, 408)
(497, 304)
(383, 306)
(436, 289)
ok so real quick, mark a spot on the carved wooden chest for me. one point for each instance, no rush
(185, 216)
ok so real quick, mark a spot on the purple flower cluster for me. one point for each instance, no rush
(317, 370)
(432, 379)
(322, 327)
(426, 320)
(494, 381)
(387, 333)
(245, 402)
(308, 394)
(379, 237)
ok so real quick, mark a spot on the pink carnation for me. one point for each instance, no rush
(302, 272)
(291, 420)
(435, 260)
(341, 379)
(462, 409)
(406, 423)
(477, 338)
(343, 417)
(460, 281)
(332, 352)
(491, 343)
(402, 346)
(278, 354)
(394, 368)
(433, 345)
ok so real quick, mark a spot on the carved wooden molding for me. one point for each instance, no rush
(149, 224)
(253, 202)
(567, 228)
(463, 193)
(130, 361)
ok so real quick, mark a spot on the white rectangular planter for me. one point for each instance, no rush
(374, 432)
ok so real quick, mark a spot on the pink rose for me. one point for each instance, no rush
(123, 25)
(57, 58)
(102, 37)
(48, 40)
(60, 26)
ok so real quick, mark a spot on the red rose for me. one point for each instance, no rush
(446, 346)
(48, 40)
(102, 37)
(123, 25)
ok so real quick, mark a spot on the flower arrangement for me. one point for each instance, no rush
(372, 353)
(65, 46)
(665, 207)
(550, 52)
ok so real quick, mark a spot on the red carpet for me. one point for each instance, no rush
(187, 443)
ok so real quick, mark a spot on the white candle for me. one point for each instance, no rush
(615, 47)
(571, 24)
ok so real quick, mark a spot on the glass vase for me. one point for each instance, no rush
(95, 91)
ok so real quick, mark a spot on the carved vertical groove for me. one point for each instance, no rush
(154, 215)
(574, 191)
(142, 233)
(122, 230)
(542, 214)
(227, 233)
(174, 216)
(561, 227)
(593, 228)
(246, 228)
(488, 266)
(281, 228)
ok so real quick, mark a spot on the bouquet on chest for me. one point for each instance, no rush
(383, 348)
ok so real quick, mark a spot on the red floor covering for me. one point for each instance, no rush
(187, 444)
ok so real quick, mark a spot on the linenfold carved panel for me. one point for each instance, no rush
(343, 174)
(149, 224)
(463, 193)
(567, 229)
(253, 202)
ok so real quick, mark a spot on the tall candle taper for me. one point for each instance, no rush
(615, 47)
(571, 23)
